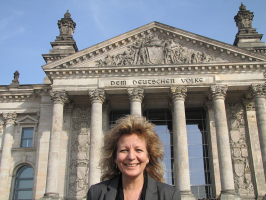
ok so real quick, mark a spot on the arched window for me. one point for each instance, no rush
(24, 183)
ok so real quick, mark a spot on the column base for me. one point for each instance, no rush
(229, 195)
(51, 196)
(186, 195)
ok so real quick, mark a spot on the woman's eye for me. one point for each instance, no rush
(123, 150)
(139, 150)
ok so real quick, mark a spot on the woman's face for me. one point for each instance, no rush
(132, 155)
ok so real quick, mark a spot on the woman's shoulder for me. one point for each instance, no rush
(166, 187)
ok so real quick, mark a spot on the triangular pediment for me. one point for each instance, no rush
(155, 44)
(27, 120)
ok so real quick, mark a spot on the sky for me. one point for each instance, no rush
(28, 26)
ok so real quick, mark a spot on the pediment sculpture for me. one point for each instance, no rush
(153, 50)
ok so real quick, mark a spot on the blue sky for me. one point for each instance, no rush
(28, 26)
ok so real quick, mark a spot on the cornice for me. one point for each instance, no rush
(148, 70)
(117, 42)
(23, 92)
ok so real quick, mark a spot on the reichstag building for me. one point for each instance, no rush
(206, 98)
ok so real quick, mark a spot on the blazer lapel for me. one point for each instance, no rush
(151, 192)
(112, 189)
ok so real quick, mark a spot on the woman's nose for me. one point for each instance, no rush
(131, 155)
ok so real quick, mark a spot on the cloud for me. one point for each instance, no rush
(9, 27)
(96, 14)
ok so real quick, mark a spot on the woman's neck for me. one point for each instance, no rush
(133, 183)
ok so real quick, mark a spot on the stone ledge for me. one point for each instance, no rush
(24, 149)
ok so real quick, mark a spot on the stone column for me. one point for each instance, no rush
(254, 145)
(258, 92)
(97, 97)
(181, 162)
(135, 96)
(224, 152)
(6, 157)
(52, 181)
(214, 161)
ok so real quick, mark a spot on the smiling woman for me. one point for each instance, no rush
(132, 163)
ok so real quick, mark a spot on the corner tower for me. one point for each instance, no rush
(64, 45)
(247, 37)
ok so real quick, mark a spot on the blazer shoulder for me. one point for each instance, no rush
(166, 191)
(96, 190)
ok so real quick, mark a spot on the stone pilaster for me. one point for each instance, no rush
(181, 161)
(42, 147)
(253, 138)
(258, 92)
(106, 111)
(59, 98)
(1, 133)
(212, 138)
(6, 156)
(136, 96)
(218, 93)
(97, 97)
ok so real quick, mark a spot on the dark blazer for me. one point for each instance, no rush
(155, 190)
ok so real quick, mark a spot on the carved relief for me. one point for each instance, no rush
(155, 49)
(239, 148)
(79, 153)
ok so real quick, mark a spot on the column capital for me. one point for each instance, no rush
(10, 117)
(135, 94)
(59, 97)
(258, 90)
(178, 93)
(248, 104)
(218, 91)
(97, 95)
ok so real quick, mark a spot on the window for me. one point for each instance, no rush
(24, 183)
(198, 154)
(26, 137)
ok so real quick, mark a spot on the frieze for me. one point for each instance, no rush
(79, 153)
(156, 81)
(154, 49)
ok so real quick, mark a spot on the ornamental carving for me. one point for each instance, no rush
(218, 91)
(59, 97)
(248, 104)
(79, 153)
(135, 94)
(235, 116)
(208, 104)
(155, 49)
(66, 25)
(1, 126)
(258, 90)
(178, 93)
(239, 149)
(10, 117)
(97, 95)
(244, 18)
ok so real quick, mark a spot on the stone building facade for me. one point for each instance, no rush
(206, 98)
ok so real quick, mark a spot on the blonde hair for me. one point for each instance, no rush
(144, 129)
